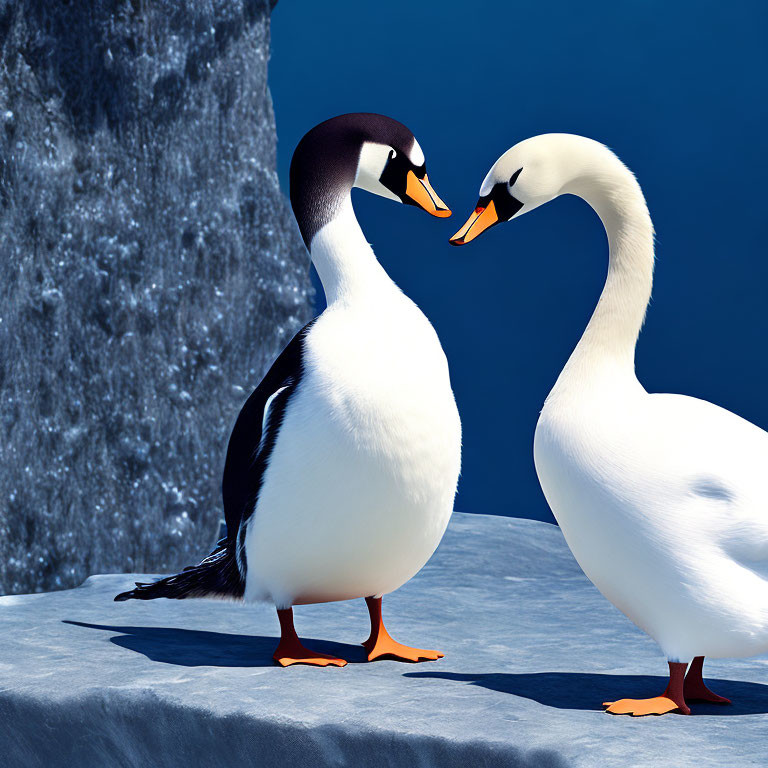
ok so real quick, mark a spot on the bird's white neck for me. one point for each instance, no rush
(608, 343)
(345, 262)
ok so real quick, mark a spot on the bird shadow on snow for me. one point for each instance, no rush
(196, 648)
(581, 690)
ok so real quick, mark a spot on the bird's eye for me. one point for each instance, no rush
(514, 176)
(392, 154)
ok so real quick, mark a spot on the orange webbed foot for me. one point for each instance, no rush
(380, 644)
(298, 654)
(672, 700)
(290, 649)
(387, 648)
(658, 705)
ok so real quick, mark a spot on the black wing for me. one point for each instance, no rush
(245, 464)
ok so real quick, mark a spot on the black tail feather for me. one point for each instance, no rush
(216, 576)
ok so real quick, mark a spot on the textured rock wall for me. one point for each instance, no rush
(149, 272)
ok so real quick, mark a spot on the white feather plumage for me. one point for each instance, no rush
(663, 499)
(360, 484)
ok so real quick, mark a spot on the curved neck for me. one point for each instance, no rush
(611, 335)
(345, 262)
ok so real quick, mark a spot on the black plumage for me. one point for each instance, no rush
(324, 165)
(248, 453)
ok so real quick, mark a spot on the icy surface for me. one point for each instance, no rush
(531, 648)
(149, 271)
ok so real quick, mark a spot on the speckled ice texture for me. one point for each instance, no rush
(532, 649)
(150, 270)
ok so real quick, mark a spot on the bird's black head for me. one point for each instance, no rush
(364, 150)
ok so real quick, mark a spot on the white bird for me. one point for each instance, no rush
(663, 499)
(342, 467)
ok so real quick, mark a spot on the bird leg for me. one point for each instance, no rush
(694, 687)
(381, 646)
(291, 651)
(672, 699)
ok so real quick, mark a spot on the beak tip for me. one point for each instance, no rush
(443, 213)
(457, 241)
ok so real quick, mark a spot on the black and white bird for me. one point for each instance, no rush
(342, 467)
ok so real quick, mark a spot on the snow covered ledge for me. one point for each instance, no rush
(531, 651)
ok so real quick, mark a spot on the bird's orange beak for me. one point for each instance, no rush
(480, 219)
(420, 192)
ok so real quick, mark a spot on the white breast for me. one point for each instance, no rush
(361, 482)
(662, 500)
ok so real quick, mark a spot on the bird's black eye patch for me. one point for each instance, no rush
(514, 176)
(503, 200)
(395, 174)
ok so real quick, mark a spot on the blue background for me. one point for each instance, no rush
(676, 89)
